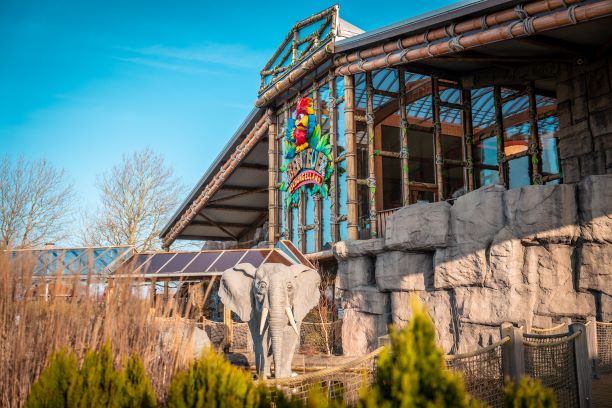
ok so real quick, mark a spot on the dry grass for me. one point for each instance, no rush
(32, 327)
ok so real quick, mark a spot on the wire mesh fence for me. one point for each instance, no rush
(342, 382)
(604, 347)
(483, 372)
(315, 338)
(551, 359)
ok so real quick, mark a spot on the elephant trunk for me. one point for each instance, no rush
(277, 323)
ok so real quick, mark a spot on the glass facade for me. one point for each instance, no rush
(435, 141)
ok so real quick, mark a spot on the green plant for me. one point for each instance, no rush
(213, 382)
(530, 393)
(51, 388)
(96, 384)
(412, 373)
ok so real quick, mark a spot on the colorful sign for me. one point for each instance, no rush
(308, 163)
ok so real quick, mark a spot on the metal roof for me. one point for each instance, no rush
(429, 20)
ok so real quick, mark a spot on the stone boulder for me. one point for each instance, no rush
(595, 208)
(397, 270)
(556, 295)
(475, 336)
(366, 299)
(546, 213)
(477, 216)
(506, 262)
(418, 226)
(492, 307)
(439, 308)
(457, 266)
(595, 270)
(192, 339)
(360, 332)
(605, 308)
(356, 248)
(355, 271)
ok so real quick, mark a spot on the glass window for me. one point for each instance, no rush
(548, 128)
(342, 197)
(294, 225)
(340, 135)
(421, 160)
(518, 170)
(485, 162)
(343, 230)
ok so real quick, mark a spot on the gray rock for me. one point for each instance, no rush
(477, 216)
(397, 270)
(418, 226)
(366, 299)
(595, 271)
(347, 249)
(360, 332)
(556, 295)
(506, 261)
(457, 266)
(355, 271)
(595, 208)
(492, 307)
(606, 308)
(475, 336)
(543, 213)
(439, 308)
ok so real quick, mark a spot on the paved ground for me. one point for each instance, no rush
(602, 391)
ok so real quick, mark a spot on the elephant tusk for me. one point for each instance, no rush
(292, 320)
(264, 316)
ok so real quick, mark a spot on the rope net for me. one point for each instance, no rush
(561, 328)
(342, 382)
(604, 347)
(551, 359)
(315, 338)
(483, 373)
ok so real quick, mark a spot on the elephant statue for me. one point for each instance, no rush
(273, 299)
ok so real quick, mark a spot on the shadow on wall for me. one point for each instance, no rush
(533, 255)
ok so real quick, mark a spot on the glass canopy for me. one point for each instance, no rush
(71, 261)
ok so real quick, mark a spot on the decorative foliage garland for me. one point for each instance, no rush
(308, 163)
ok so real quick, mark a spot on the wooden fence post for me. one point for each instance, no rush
(583, 364)
(591, 331)
(513, 353)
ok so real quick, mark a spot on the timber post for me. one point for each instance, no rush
(404, 153)
(534, 142)
(499, 130)
(591, 331)
(437, 133)
(351, 157)
(272, 178)
(513, 355)
(371, 152)
(583, 364)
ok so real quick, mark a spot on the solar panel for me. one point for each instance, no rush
(177, 263)
(228, 260)
(202, 262)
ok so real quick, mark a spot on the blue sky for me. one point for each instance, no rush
(82, 82)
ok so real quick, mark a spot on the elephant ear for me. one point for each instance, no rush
(307, 291)
(235, 290)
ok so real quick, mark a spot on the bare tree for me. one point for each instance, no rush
(35, 203)
(136, 198)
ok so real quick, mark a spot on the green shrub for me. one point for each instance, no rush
(529, 393)
(212, 382)
(51, 387)
(137, 386)
(412, 373)
(96, 384)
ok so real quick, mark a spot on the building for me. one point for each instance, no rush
(458, 155)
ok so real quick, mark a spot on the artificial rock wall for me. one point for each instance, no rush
(533, 255)
(584, 109)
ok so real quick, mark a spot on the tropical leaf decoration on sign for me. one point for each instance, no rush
(308, 161)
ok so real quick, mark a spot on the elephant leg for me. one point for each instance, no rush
(290, 345)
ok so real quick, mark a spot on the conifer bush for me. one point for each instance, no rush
(530, 393)
(51, 388)
(212, 382)
(412, 373)
(96, 384)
